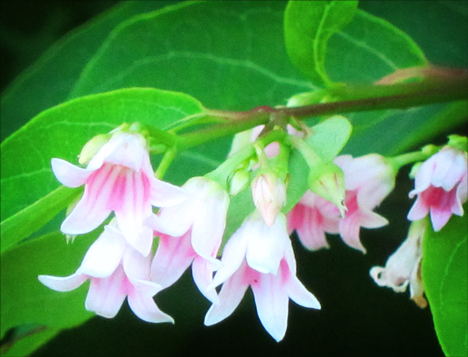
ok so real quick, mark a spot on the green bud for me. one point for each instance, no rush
(327, 181)
(92, 147)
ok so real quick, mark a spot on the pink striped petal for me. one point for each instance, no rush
(172, 258)
(349, 231)
(106, 295)
(93, 208)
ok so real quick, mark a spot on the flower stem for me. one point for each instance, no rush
(349, 98)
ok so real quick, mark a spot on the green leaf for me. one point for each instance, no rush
(22, 224)
(24, 345)
(25, 301)
(308, 25)
(220, 52)
(370, 48)
(48, 82)
(63, 130)
(445, 276)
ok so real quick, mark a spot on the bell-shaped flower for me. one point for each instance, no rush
(116, 271)
(441, 187)
(368, 180)
(118, 178)
(191, 232)
(403, 268)
(260, 256)
(311, 217)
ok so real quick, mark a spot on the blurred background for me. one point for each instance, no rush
(357, 317)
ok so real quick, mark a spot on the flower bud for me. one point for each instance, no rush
(92, 147)
(238, 181)
(327, 181)
(269, 195)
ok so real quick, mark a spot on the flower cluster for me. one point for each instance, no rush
(441, 190)
(189, 222)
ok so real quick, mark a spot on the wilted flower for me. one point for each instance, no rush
(403, 268)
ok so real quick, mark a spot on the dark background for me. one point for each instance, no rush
(357, 317)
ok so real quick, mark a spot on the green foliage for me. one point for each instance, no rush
(48, 82)
(308, 25)
(445, 276)
(63, 130)
(27, 302)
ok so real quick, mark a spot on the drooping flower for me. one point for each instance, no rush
(368, 180)
(441, 187)
(116, 271)
(118, 178)
(403, 268)
(191, 232)
(260, 256)
(311, 217)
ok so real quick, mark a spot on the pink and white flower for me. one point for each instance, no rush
(116, 271)
(311, 217)
(403, 268)
(441, 187)
(368, 180)
(260, 256)
(118, 178)
(191, 233)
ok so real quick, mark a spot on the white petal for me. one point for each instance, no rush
(271, 300)
(104, 255)
(266, 245)
(164, 194)
(233, 255)
(68, 174)
(203, 277)
(63, 284)
(106, 295)
(146, 309)
(135, 265)
(230, 296)
(208, 228)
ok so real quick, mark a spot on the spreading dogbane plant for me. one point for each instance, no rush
(121, 178)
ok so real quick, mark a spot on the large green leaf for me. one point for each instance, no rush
(445, 276)
(369, 48)
(229, 55)
(25, 301)
(63, 130)
(49, 81)
(308, 25)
